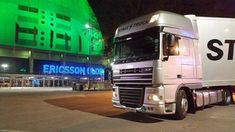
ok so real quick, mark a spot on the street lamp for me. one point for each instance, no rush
(4, 66)
(91, 30)
(87, 26)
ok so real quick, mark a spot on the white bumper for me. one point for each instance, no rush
(160, 109)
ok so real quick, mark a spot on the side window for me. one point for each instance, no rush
(170, 45)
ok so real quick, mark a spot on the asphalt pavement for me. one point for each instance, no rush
(91, 111)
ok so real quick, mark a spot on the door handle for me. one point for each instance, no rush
(179, 76)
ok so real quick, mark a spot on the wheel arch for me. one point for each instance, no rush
(190, 96)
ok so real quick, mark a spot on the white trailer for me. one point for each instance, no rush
(167, 63)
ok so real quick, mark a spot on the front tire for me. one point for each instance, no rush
(181, 105)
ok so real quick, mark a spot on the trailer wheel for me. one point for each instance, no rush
(227, 97)
(181, 105)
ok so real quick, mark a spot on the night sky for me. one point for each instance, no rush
(111, 13)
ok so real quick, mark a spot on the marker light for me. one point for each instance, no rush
(116, 32)
(129, 38)
(154, 18)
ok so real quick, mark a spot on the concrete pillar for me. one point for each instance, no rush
(62, 82)
(10, 82)
(53, 82)
(22, 82)
(43, 82)
(31, 61)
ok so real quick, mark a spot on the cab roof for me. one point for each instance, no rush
(165, 19)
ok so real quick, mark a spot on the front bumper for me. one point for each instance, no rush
(159, 109)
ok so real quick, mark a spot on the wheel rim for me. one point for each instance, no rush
(184, 105)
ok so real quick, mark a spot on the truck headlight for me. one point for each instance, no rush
(153, 97)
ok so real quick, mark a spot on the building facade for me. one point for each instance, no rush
(49, 43)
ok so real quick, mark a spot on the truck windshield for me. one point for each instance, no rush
(140, 46)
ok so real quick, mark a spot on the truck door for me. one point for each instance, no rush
(171, 61)
(187, 63)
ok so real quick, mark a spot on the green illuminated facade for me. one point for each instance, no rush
(50, 25)
(34, 33)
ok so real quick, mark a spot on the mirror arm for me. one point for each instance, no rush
(165, 58)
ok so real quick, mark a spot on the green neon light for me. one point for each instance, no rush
(52, 25)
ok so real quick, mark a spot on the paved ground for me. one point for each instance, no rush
(32, 89)
(92, 111)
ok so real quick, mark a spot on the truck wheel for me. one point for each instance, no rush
(181, 105)
(227, 97)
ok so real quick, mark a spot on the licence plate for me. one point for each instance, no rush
(131, 109)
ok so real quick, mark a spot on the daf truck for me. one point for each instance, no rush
(170, 64)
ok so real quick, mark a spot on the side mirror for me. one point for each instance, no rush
(173, 45)
(170, 46)
(171, 40)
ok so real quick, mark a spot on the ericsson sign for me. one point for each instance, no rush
(68, 68)
(73, 70)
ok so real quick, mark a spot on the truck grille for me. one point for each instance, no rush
(134, 76)
(136, 70)
(131, 97)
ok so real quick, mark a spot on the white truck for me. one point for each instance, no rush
(166, 63)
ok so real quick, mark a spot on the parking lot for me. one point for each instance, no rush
(93, 111)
